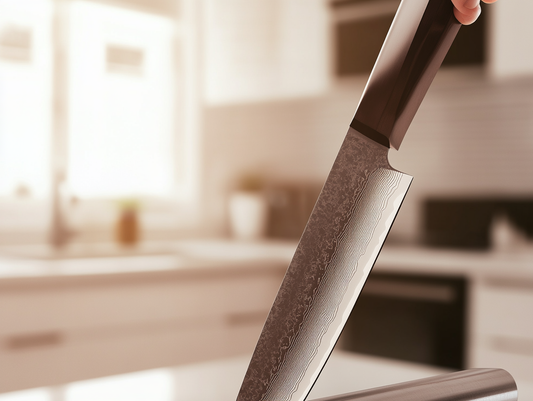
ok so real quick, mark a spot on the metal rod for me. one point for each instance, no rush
(466, 385)
(59, 232)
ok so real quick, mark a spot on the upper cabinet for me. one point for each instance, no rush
(360, 27)
(511, 51)
(270, 49)
(264, 49)
(499, 40)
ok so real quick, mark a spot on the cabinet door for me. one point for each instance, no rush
(52, 334)
(264, 49)
(510, 36)
(502, 330)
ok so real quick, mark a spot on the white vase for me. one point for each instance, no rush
(248, 212)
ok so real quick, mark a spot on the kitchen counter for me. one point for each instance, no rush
(344, 373)
(471, 264)
(30, 265)
(93, 312)
(216, 255)
(220, 380)
(80, 315)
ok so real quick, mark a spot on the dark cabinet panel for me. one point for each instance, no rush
(411, 318)
(358, 39)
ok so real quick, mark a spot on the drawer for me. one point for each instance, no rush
(519, 366)
(505, 354)
(88, 355)
(504, 309)
(103, 304)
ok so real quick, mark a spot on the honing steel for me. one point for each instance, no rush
(353, 213)
(468, 385)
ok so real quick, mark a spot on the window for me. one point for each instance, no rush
(25, 93)
(121, 103)
(103, 103)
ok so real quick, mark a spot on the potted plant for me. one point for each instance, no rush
(127, 228)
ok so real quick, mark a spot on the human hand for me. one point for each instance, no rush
(467, 11)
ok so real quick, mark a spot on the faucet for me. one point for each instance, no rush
(59, 233)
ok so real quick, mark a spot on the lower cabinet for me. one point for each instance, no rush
(61, 329)
(455, 322)
(502, 329)
(57, 331)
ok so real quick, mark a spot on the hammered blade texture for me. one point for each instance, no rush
(351, 218)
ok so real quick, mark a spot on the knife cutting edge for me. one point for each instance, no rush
(354, 212)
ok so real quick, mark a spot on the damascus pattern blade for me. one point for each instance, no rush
(337, 251)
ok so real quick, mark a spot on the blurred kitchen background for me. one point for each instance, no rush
(159, 160)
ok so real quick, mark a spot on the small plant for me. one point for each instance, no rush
(127, 230)
(251, 183)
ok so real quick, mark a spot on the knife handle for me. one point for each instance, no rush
(417, 42)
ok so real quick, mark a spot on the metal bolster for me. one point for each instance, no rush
(370, 132)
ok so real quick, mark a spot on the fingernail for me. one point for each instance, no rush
(471, 4)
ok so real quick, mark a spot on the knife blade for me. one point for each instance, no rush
(354, 212)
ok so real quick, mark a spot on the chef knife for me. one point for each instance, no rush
(353, 213)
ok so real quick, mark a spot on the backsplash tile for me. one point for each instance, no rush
(471, 137)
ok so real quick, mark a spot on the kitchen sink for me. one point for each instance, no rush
(85, 250)
(203, 249)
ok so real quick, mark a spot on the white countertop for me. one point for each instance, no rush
(344, 373)
(220, 380)
(473, 264)
(106, 260)
(223, 255)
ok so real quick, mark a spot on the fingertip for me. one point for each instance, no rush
(467, 18)
(470, 5)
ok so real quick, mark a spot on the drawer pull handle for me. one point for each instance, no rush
(521, 346)
(503, 283)
(238, 319)
(439, 293)
(33, 340)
